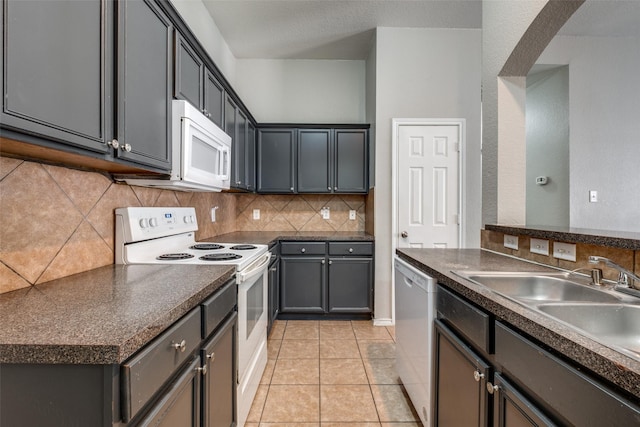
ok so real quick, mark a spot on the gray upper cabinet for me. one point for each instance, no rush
(189, 74)
(326, 160)
(195, 83)
(55, 74)
(314, 160)
(351, 161)
(251, 157)
(213, 98)
(144, 76)
(275, 164)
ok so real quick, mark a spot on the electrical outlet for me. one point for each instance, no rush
(352, 214)
(511, 242)
(539, 246)
(256, 214)
(213, 214)
(593, 196)
(325, 212)
(565, 251)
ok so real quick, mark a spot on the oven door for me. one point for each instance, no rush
(252, 312)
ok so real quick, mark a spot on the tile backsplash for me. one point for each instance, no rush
(59, 221)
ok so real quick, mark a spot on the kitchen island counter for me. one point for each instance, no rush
(101, 316)
(615, 366)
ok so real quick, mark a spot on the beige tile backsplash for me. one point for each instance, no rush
(59, 221)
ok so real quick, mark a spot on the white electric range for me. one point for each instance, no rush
(166, 235)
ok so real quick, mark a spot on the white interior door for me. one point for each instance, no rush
(428, 190)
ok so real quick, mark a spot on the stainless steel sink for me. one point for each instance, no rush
(538, 287)
(614, 324)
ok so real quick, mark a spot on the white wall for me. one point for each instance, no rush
(302, 91)
(548, 147)
(205, 29)
(424, 73)
(605, 128)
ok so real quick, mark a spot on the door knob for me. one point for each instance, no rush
(404, 234)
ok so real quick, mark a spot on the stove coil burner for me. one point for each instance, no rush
(207, 246)
(220, 257)
(175, 256)
(242, 247)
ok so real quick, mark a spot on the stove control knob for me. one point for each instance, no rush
(153, 222)
(186, 219)
(192, 218)
(144, 223)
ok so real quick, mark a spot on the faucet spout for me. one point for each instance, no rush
(623, 277)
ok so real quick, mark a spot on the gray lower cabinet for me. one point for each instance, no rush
(303, 285)
(326, 278)
(145, 75)
(55, 73)
(274, 286)
(523, 385)
(276, 168)
(460, 399)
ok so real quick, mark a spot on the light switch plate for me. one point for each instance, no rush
(352, 215)
(326, 213)
(539, 246)
(565, 251)
(510, 241)
(256, 214)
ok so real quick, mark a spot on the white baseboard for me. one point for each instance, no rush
(383, 322)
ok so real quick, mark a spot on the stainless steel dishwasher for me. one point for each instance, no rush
(415, 311)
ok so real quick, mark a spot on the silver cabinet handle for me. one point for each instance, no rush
(404, 234)
(330, 262)
(492, 388)
(335, 188)
(329, 188)
(211, 357)
(203, 370)
(126, 147)
(350, 250)
(113, 143)
(291, 188)
(477, 376)
(303, 250)
(322, 262)
(181, 346)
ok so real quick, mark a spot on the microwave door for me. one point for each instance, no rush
(204, 159)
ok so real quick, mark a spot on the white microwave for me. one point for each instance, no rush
(200, 153)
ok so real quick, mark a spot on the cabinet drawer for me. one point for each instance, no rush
(556, 384)
(144, 374)
(218, 306)
(351, 248)
(473, 323)
(302, 248)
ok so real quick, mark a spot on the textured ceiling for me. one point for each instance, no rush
(342, 29)
(328, 29)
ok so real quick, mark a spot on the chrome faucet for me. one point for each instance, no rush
(625, 279)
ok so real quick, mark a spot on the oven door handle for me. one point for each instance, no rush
(261, 266)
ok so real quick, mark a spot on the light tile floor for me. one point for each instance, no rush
(331, 374)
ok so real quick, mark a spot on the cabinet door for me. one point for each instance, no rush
(350, 285)
(314, 161)
(213, 98)
(461, 398)
(276, 160)
(189, 72)
(219, 382)
(239, 156)
(251, 158)
(145, 79)
(302, 287)
(180, 406)
(351, 152)
(512, 409)
(55, 73)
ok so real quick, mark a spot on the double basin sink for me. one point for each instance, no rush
(605, 315)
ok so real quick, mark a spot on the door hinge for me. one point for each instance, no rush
(456, 219)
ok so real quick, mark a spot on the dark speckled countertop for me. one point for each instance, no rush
(101, 316)
(609, 363)
(269, 237)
